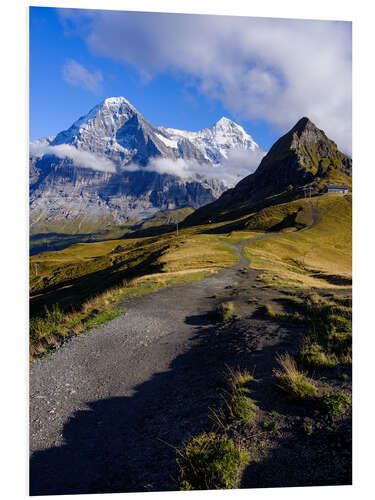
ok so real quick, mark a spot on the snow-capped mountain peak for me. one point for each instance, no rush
(96, 131)
(116, 129)
(215, 142)
(112, 162)
(111, 107)
(116, 101)
(225, 122)
(227, 126)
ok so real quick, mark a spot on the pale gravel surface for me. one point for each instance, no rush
(108, 363)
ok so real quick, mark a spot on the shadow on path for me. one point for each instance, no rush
(114, 445)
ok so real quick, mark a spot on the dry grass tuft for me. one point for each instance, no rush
(225, 311)
(238, 407)
(269, 311)
(291, 380)
(239, 379)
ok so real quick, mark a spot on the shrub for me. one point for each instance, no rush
(209, 462)
(335, 403)
(292, 381)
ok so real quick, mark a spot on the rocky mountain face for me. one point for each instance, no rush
(214, 143)
(113, 167)
(304, 156)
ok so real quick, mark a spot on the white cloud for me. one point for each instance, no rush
(77, 75)
(83, 159)
(239, 164)
(274, 69)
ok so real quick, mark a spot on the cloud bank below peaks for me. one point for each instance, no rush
(235, 167)
(82, 159)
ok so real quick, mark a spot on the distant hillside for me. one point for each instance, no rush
(55, 240)
(304, 156)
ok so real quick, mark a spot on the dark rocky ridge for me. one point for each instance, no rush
(303, 156)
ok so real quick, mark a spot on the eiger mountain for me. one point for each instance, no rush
(97, 173)
(304, 157)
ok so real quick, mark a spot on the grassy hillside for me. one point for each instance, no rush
(49, 236)
(286, 216)
(318, 256)
(81, 284)
(77, 288)
(70, 276)
(50, 241)
(167, 217)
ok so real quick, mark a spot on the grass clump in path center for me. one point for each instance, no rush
(292, 381)
(210, 462)
(224, 311)
(239, 408)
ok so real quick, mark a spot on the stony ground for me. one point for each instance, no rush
(107, 408)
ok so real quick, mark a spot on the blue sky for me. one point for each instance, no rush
(186, 72)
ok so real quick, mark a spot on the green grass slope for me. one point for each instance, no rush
(320, 255)
(71, 276)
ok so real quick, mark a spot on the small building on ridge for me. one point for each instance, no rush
(330, 188)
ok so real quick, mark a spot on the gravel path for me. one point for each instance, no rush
(91, 401)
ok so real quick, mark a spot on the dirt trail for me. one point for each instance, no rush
(99, 406)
